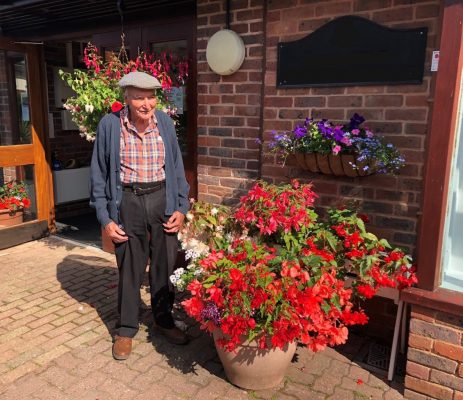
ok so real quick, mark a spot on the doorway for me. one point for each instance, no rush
(26, 201)
(173, 37)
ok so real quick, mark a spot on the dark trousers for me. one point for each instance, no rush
(142, 217)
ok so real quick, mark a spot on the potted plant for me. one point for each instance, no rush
(13, 200)
(97, 90)
(338, 149)
(270, 274)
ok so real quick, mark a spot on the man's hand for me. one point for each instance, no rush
(174, 222)
(116, 234)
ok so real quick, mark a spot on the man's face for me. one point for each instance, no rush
(141, 102)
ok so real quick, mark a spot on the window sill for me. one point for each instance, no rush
(441, 299)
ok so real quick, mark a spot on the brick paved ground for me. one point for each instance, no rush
(57, 313)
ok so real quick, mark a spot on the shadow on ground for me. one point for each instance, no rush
(92, 280)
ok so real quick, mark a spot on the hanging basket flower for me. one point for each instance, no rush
(341, 150)
(97, 90)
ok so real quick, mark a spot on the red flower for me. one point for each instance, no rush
(366, 291)
(193, 307)
(116, 106)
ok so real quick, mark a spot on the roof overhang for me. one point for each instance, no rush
(42, 19)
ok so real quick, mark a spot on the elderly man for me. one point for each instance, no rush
(140, 194)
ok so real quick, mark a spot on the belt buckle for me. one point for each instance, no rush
(136, 190)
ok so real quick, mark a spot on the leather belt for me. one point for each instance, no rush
(143, 188)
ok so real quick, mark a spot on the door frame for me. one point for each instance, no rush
(36, 153)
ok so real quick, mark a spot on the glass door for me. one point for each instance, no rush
(25, 189)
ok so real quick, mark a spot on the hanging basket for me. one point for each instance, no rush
(331, 164)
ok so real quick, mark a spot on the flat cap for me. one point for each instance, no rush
(139, 80)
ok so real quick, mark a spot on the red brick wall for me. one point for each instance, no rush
(399, 112)
(435, 356)
(229, 107)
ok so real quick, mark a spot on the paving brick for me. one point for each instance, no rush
(342, 394)
(302, 392)
(85, 337)
(18, 372)
(24, 357)
(53, 333)
(45, 358)
(212, 391)
(83, 385)
(88, 367)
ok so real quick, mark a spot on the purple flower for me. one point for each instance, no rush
(355, 121)
(300, 132)
(325, 129)
(307, 121)
(211, 313)
(338, 133)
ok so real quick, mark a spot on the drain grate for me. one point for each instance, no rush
(378, 356)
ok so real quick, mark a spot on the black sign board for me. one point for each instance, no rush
(352, 51)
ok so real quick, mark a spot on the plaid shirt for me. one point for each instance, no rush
(142, 155)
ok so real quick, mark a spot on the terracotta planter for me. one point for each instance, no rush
(331, 164)
(7, 219)
(252, 368)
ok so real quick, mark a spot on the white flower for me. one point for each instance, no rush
(89, 108)
(189, 216)
(179, 272)
(214, 211)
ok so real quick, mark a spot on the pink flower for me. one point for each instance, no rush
(355, 132)
(336, 149)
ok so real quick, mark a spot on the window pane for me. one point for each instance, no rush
(15, 125)
(176, 95)
(17, 195)
(452, 254)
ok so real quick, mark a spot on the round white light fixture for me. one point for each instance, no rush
(225, 52)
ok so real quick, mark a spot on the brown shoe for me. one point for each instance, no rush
(173, 335)
(122, 347)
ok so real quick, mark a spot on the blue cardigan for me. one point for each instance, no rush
(105, 181)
